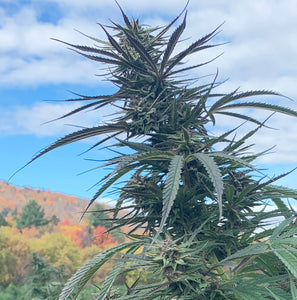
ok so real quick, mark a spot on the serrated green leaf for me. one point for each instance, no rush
(275, 297)
(126, 20)
(115, 44)
(292, 232)
(293, 289)
(107, 184)
(280, 228)
(172, 43)
(287, 240)
(241, 116)
(234, 158)
(82, 276)
(237, 144)
(89, 49)
(281, 190)
(109, 281)
(141, 147)
(99, 58)
(252, 289)
(236, 96)
(259, 105)
(171, 187)
(80, 135)
(196, 46)
(288, 256)
(254, 249)
(215, 176)
(280, 204)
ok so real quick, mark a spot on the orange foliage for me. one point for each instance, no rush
(74, 232)
(11, 221)
(57, 249)
(78, 233)
(58, 204)
(14, 255)
(65, 243)
(30, 232)
(101, 238)
(65, 222)
(6, 203)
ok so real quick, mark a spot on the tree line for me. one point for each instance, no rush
(38, 254)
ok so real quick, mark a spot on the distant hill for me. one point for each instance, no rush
(13, 198)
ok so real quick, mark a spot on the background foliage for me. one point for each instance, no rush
(38, 258)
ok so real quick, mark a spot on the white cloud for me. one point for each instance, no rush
(262, 36)
(54, 69)
(28, 56)
(283, 137)
(261, 54)
(33, 120)
(262, 33)
(274, 221)
(108, 201)
(144, 6)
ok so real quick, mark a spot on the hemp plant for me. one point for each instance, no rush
(193, 194)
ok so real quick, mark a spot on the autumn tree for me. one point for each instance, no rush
(2, 220)
(14, 255)
(32, 215)
(98, 217)
(102, 238)
(57, 249)
(74, 232)
(44, 281)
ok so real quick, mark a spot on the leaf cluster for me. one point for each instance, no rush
(32, 215)
(196, 196)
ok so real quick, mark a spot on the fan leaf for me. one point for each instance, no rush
(233, 158)
(77, 136)
(196, 46)
(215, 176)
(109, 281)
(76, 283)
(172, 43)
(259, 105)
(288, 256)
(236, 96)
(171, 187)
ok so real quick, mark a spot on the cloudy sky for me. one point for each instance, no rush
(260, 53)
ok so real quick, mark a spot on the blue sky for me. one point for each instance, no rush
(260, 54)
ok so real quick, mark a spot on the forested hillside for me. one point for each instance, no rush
(13, 198)
(43, 241)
